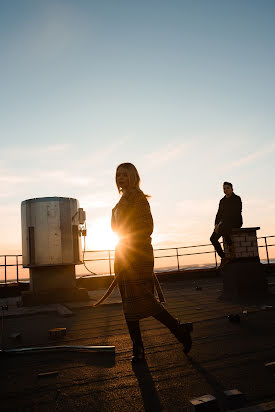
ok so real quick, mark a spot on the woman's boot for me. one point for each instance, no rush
(138, 353)
(184, 335)
(182, 331)
(138, 348)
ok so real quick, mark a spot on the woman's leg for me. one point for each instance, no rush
(180, 330)
(135, 334)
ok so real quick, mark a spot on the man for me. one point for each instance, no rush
(229, 216)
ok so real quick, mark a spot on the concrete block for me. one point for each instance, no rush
(16, 337)
(244, 279)
(205, 403)
(57, 333)
(240, 249)
(252, 249)
(251, 238)
(245, 243)
(238, 238)
(235, 399)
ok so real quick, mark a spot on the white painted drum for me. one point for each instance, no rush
(50, 232)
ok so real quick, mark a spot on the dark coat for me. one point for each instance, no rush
(230, 211)
(134, 259)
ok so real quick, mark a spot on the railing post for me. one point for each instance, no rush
(5, 269)
(110, 266)
(178, 259)
(17, 277)
(266, 248)
(216, 259)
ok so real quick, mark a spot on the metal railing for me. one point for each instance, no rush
(177, 254)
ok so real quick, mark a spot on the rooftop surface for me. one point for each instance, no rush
(224, 355)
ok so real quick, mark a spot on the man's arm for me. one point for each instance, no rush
(219, 214)
(238, 211)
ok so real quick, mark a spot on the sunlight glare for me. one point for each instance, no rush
(100, 235)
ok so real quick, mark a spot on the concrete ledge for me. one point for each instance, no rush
(15, 312)
(245, 229)
(54, 296)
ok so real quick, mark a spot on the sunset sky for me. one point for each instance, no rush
(183, 89)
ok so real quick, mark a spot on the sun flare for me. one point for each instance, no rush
(100, 235)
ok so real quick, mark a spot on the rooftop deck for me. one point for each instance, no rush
(225, 355)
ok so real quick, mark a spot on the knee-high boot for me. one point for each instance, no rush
(135, 334)
(182, 331)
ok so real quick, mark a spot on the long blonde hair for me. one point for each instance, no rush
(133, 176)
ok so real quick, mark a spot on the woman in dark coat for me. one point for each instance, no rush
(134, 263)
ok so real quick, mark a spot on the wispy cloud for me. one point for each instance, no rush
(252, 156)
(33, 151)
(67, 177)
(98, 200)
(165, 154)
(12, 179)
(102, 154)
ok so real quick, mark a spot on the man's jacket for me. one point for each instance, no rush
(230, 211)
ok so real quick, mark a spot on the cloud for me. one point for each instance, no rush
(99, 200)
(252, 157)
(33, 151)
(56, 176)
(15, 179)
(102, 155)
(165, 154)
(196, 209)
(66, 177)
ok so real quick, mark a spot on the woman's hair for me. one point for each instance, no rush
(133, 176)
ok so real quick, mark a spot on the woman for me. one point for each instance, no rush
(134, 263)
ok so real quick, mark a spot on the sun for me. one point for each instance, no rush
(100, 235)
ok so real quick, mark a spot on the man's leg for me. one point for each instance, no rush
(214, 239)
(226, 233)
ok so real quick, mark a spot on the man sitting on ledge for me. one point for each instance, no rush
(229, 216)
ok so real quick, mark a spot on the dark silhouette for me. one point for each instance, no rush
(229, 216)
(151, 401)
(134, 263)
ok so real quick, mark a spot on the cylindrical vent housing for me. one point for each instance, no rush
(51, 231)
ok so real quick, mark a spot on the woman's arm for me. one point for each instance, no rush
(113, 220)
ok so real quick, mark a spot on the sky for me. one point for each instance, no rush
(183, 89)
